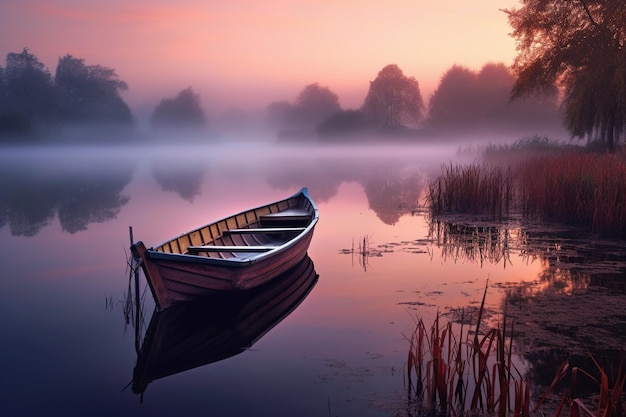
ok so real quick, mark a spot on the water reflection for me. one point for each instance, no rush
(392, 193)
(573, 260)
(576, 303)
(393, 187)
(184, 179)
(361, 197)
(545, 365)
(31, 194)
(475, 243)
(569, 261)
(197, 333)
(80, 186)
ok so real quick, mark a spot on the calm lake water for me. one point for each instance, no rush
(338, 348)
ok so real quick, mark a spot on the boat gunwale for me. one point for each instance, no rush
(238, 261)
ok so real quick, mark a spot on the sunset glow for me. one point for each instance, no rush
(250, 53)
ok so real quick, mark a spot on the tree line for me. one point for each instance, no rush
(464, 100)
(570, 68)
(32, 101)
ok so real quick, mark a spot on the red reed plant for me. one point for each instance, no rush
(446, 374)
(476, 189)
(583, 189)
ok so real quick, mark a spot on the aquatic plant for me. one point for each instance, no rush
(450, 375)
(455, 376)
(476, 189)
(610, 396)
(583, 189)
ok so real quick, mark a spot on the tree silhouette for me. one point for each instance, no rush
(279, 113)
(494, 84)
(452, 103)
(11, 122)
(580, 45)
(90, 93)
(394, 100)
(342, 124)
(32, 102)
(28, 95)
(314, 104)
(466, 99)
(182, 111)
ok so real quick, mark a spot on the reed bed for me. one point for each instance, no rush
(474, 374)
(583, 189)
(476, 189)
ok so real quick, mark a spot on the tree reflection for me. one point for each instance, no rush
(18, 211)
(183, 179)
(32, 195)
(393, 193)
(92, 200)
(392, 189)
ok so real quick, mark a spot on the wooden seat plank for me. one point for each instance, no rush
(292, 212)
(231, 248)
(266, 230)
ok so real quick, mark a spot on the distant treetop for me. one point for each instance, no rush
(394, 100)
(182, 111)
(90, 93)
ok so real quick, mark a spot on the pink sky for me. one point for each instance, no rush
(250, 53)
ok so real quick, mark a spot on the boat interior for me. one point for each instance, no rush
(253, 232)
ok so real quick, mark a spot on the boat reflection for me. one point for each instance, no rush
(217, 327)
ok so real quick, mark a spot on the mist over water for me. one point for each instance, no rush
(80, 180)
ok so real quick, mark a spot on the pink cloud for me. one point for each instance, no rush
(104, 12)
(51, 11)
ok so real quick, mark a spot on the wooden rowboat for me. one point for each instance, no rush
(236, 253)
(221, 325)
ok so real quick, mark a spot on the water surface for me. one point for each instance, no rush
(68, 347)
